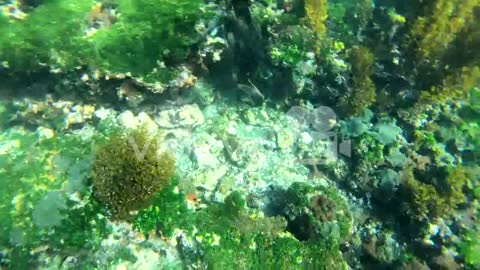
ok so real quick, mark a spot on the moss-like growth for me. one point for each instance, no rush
(317, 214)
(292, 49)
(368, 154)
(316, 11)
(362, 93)
(421, 201)
(168, 210)
(470, 248)
(231, 237)
(128, 170)
(82, 229)
(234, 204)
(458, 179)
(432, 32)
(347, 18)
(43, 39)
(440, 45)
(147, 32)
(369, 149)
(46, 172)
(145, 39)
(455, 86)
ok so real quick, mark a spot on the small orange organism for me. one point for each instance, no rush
(100, 16)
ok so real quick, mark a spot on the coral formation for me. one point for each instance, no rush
(323, 208)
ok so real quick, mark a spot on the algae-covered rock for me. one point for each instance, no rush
(317, 213)
(387, 131)
(48, 212)
(185, 116)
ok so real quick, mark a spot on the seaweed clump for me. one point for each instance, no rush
(362, 95)
(425, 202)
(316, 11)
(129, 170)
(231, 236)
(433, 32)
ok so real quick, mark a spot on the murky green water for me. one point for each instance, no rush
(314, 134)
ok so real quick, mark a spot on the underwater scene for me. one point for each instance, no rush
(239, 134)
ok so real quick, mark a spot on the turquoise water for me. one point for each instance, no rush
(314, 134)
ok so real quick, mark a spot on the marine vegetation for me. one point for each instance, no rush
(362, 92)
(316, 14)
(168, 210)
(145, 36)
(231, 234)
(434, 30)
(57, 169)
(128, 170)
(301, 134)
(113, 38)
(41, 39)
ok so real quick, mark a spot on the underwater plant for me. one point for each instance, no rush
(41, 172)
(422, 202)
(233, 236)
(426, 202)
(168, 210)
(347, 18)
(144, 39)
(439, 49)
(434, 31)
(362, 90)
(470, 248)
(125, 178)
(316, 14)
(317, 214)
(41, 39)
(147, 33)
(456, 86)
(122, 206)
(458, 178)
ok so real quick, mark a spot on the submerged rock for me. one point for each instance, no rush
(185, 116)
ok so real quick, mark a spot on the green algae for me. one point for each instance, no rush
(415, 64)
(128, 170)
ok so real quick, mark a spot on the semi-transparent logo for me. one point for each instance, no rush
(323, 144)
